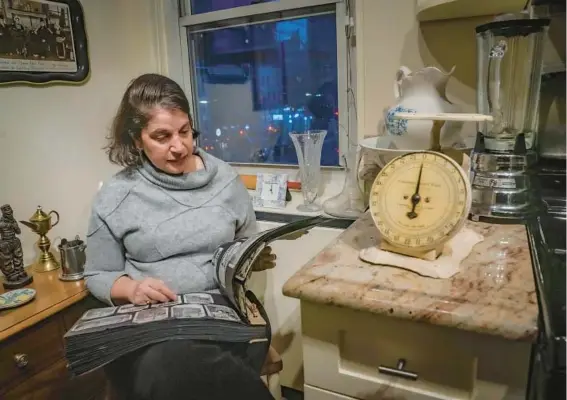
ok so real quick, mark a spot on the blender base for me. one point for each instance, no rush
(503, 188)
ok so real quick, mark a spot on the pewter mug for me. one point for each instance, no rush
(73, 259)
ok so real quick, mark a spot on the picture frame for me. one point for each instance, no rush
(270, 190)
(43, 41)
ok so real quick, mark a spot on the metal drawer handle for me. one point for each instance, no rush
(398, 371)
(21, 360)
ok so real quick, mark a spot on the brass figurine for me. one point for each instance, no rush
(11, 254)
(40, 223)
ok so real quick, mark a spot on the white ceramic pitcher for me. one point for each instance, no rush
(422, 91)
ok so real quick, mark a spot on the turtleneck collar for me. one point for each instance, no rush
(187, 181)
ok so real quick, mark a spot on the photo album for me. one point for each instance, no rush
(234, 315)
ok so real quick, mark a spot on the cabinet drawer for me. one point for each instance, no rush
(30, 352)
(343, 351)
(55, 383)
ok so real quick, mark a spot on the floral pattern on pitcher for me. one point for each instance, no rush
(397, 127)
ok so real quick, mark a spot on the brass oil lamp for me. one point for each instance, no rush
(40, 223)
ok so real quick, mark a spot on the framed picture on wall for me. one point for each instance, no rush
(42, 41)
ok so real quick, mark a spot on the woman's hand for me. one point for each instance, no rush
(150, 290)
(266, 260)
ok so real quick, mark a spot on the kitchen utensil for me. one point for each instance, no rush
(418, 202)
(509, 67)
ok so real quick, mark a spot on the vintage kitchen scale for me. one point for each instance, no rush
(420, 200)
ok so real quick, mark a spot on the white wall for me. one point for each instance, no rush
(389, 36)
(51, 137)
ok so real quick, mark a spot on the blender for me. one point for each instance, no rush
(509, 67)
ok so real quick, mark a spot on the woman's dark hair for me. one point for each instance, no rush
(143, 94)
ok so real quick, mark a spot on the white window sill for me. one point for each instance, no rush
(333, 181)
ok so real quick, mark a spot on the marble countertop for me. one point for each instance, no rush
(494, 293)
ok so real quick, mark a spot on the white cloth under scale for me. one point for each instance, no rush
(447, 265)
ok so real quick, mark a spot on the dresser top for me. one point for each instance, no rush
(493, 293)
(52, 296)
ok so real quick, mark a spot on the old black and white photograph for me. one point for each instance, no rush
(240, 296)
(36, 36)
(221, 312)
(98, 323)
(198, 298)
(151, 315)
(244, 271)
(169, 303)
(224, 258)
(130, 308)
(187, 311)
(98, 313)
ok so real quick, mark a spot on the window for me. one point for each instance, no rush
(205, 6)
(260, 71)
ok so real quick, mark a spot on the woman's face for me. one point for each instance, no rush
(167, 140)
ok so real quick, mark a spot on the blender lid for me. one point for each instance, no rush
(514, 27)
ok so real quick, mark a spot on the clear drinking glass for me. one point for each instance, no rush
(308, 146)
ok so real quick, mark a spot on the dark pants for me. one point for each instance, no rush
(185, 370)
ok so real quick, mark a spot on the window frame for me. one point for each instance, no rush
(185, 20)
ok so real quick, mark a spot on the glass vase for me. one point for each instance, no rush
(308, 146)
(349, 203)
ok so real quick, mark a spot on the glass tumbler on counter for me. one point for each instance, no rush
(308, 146)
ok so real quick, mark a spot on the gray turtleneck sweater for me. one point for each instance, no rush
(146, 223)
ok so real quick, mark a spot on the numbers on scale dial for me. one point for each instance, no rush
(441, 205)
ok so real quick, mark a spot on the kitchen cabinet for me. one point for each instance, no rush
(345, 351)
(434, 10)
(374, 332)
(284, 311)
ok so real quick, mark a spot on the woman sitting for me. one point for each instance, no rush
(153, 229)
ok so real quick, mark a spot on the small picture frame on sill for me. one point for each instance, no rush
(42, 41)
(270, 190)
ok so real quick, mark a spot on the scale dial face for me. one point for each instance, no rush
(420, 200)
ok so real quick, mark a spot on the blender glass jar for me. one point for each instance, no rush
(509, 67)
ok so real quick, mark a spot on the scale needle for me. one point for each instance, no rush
(415, 198)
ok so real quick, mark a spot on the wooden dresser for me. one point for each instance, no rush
(32, 363)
